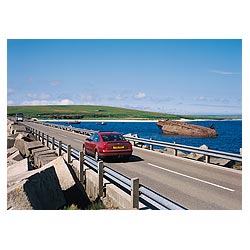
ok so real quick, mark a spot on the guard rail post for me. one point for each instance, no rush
(175, 152)
(151, 146)
(43, 138)
(100, 178)
(53, 143)
(36, 134)
(207, 158)
(81, 160)
(60, 148)
(69, 153)
(135, 193)
(47, 141)
(39, 133)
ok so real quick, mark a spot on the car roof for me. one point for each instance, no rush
(107, 132)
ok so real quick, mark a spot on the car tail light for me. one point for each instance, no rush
(105, 145)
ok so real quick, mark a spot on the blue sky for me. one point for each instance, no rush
(170, 76)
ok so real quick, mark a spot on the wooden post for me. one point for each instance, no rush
(53, 143)
(135, 193)
(60, 148)
(39, 135)
(100, 178)
(81, 167)
(47, 143)
(43, 138)
(69, 153)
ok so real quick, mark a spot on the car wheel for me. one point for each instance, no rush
(96, 156)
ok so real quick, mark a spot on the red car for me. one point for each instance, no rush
(105, 144)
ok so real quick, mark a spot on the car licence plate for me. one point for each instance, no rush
(118, 147)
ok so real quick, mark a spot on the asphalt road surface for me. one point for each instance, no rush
(192, 184)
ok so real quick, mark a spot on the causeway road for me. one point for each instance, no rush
(194, 185)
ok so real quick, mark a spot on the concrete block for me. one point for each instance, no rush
(117, 197)
(42, 191)
(194, 156)
(16, 156)
(171, 151)
(15, 128)
(19, 144)
(91, 184)
(222, 162)
(43, 154)
(65, 178)
(43, 160)
(37, 150)
(17, 169)
(11, 151)
(28, 146)
(10, 142)
(38, 191)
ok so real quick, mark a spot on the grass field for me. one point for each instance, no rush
(88, 112)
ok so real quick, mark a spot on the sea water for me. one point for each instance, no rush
(229, 133)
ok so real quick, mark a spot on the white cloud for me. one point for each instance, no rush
(10, 103)
(221, 72)
(119, 97)
(40, 96)
(48, 102)
(201, 98)
(140, 95)
(54, 83)
(11, 91)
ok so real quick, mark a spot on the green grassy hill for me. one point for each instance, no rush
(94, 112)
(85, 112)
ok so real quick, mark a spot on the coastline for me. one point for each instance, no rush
(134, 120)
(90, 120)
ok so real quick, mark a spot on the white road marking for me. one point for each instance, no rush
(63, 135)
(193, 178)
(78, 140)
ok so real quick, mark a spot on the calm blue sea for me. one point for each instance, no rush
(229, 131)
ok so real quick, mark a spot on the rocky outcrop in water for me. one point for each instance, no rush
(179, 128)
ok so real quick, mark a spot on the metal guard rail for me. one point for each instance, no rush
(209, 152)
(110, 174)
(157, 200)
(117, 178)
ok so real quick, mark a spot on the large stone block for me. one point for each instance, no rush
(15, 128)
(38, 191)
(222, 162)
(40, 153)
(17, 169)
(10, 142)
(45, 159)
(28, 146)
(63, 173)
(16, 156)
(11, 151)
(19, 144)
(38, 150)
